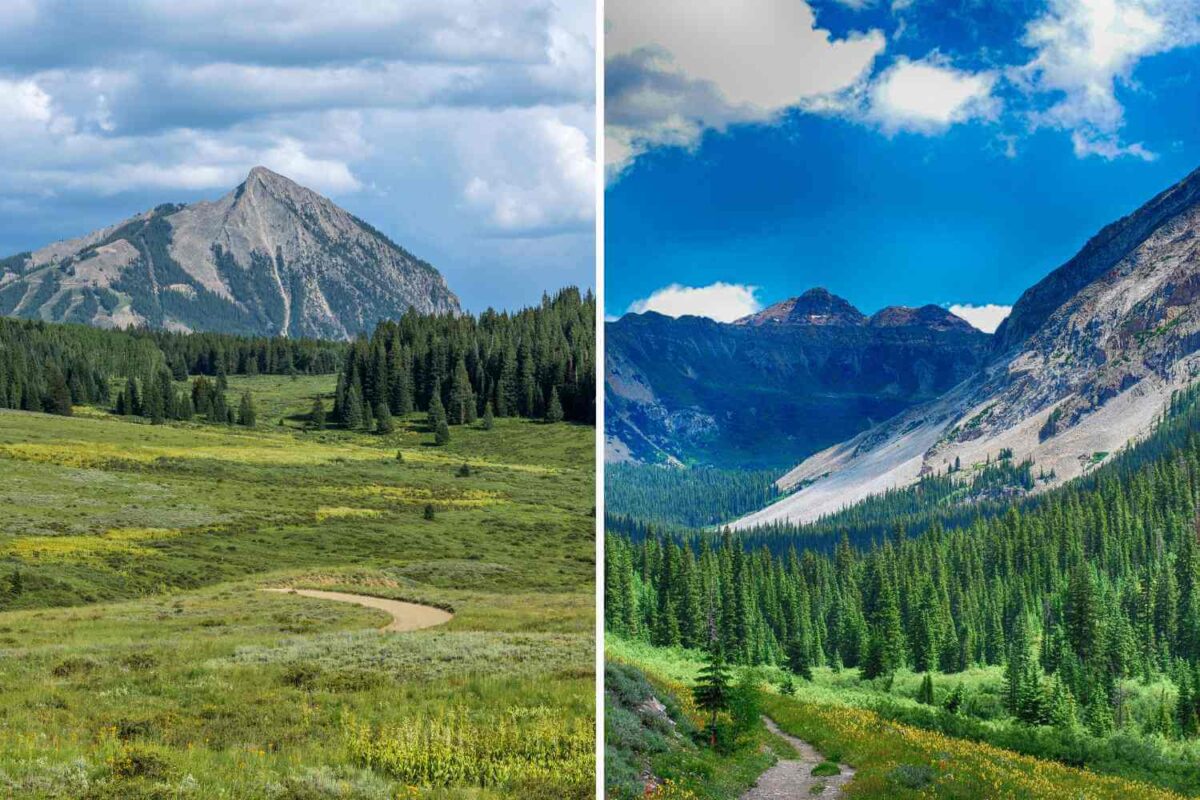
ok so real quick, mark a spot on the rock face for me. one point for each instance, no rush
(1085, 363)
(270, 257)
(777, 386)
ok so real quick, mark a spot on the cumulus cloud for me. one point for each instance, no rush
(930, 95)
(986, 317)
(667, 82)
(447, 121)
(537, 175)
(1085, 49)
(723, 302)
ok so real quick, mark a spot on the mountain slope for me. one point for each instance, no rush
(778, 385)
(1087, 361)
(270, 257)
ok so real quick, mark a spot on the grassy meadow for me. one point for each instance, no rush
(901, 748)
(139, 657)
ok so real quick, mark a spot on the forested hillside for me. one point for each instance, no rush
(538, 362)
(50, 367)
(1076, 597)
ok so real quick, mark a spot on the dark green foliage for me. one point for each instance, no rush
(489, 420)
(554, 409)
(316, 417)
(464, 471)
(383, 419)
(515, 363)
(429, 512)
(1072, 591)
(799, 658)
(694, 497)
(51, 367)
(246, 413)
(712, 688)
(925, 694)
(954, 702)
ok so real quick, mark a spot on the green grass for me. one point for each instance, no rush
(898, 758)
(139, 658)
(840, 706)
(661, 753)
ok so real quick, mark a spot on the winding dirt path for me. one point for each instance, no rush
(405, 616)
(793, 778)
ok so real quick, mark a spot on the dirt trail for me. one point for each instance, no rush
(405, 616)
(793, 778)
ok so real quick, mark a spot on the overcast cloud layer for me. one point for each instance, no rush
(461, 129)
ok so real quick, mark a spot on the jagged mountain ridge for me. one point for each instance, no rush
(270, 257)
(775, 386)
(1065, 386)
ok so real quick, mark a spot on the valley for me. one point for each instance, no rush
(143, 659)
(240, 567)
(993, 593)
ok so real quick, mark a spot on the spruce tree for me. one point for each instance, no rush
(798, 660)
(554, 409)
(925, 693)
(316, 416)
(383, 419)
(489, 421)
(246, 413)
(711, 692)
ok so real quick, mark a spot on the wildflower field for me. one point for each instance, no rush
(140, 658)
(854, 722)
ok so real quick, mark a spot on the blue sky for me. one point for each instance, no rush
(896, 153)
(462, 129)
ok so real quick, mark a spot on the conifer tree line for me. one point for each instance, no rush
(1090, 583)
(538, 363)
(696, 496)
(156, 398)
(214, 353)
(49, 367)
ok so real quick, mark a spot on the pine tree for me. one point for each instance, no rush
(354, 416)
(383, 419)
(429, 513)
(489, 421)
(711, 692)
(798, 660)
(925, 694)
(554, 409)
(246, 413)
(316, 416)
(956, 699)
(59, 395)
(461, 410)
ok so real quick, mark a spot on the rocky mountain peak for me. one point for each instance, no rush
(269, 257)
(1101, 253)
(927, 316)
(817, 306)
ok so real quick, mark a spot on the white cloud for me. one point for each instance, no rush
(1085, 49)
(667, 82)
(985, 317)
(23, 101)
(721, 301)
(930, 95)
(537, 174)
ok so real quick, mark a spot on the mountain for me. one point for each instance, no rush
(776, 386)
(1084, 365)
(271, 257)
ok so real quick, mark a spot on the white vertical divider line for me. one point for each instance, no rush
(599, 213)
